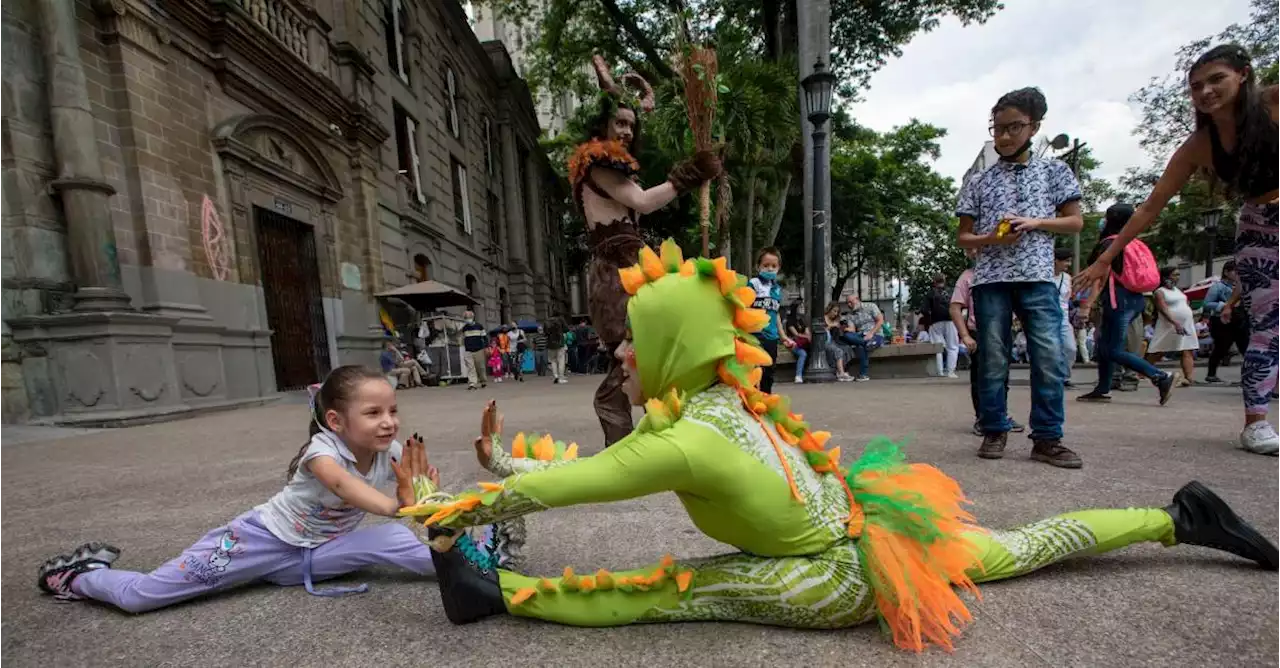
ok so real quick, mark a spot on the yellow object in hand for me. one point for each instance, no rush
(1003, 229)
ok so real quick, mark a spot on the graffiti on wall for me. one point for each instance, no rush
(215, 249)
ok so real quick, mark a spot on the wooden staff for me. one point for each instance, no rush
(699, 72)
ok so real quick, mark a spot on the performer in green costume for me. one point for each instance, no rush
(821, 545)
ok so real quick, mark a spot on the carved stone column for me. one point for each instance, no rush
(516, 195)
(84, 193)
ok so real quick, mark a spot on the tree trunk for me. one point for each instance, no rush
(784, 190)
(748, 233)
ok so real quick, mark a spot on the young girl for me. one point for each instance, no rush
(307, 531)
(495, 359)
(1117, 314)
(1235, 141)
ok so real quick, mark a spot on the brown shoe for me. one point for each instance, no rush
(993, 446)
(1053, 453)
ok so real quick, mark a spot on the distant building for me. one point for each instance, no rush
(200, 212)
(986, 157)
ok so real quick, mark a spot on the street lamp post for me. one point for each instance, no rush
(818, 88)
(1209, 218)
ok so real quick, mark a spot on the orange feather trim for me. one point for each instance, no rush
(611, 152)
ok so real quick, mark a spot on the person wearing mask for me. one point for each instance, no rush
(1225, 333)
(475, 344)
(838, 352)
(941, 328)
(1010, 214)
(769, 299)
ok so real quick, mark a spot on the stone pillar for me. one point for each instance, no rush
(537, 212)
(515, 193)
(85, 195)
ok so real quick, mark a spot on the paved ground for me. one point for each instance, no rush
(154, 489)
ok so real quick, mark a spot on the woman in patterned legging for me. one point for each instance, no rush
(1235, 141)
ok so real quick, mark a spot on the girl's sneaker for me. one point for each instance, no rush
(1260, 438)
(799, 380)
(57, 573)
(846, 378)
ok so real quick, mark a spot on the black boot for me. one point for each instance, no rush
(468, 592)
(1201, 517)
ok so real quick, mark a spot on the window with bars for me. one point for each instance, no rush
(461, 198)
(396, 23)
(410, 166)
(451, 100)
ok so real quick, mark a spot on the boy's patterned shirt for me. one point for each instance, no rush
(1034, 189)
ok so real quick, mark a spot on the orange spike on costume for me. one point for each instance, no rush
(674, 401)
(587, 583)
(726, 376)
(545, 449)
(746, 296)
(682, 581)
(750, 320)
(522, 595)
(670, 254)
(651, 264)
(726, 277)
(688, 268)
(547, 585)
(820, 437)
(790, 438)
(632, 279)
(749, 354)
(571, 452)
(518, 447)
(667, 561)
(754, 376)
(490, 486)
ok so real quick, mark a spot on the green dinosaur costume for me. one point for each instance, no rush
(820, 545)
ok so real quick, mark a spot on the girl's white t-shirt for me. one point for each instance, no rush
(305, 513)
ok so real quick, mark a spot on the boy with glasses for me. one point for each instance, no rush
(1009, 213)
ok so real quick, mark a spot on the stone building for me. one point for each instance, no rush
(201, 198)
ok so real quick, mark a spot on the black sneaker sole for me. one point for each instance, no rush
(1068, 464)
(1235, 527)
(1094, 399)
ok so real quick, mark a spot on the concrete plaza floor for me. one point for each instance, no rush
(153, 490)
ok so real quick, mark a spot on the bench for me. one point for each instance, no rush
(901, 360)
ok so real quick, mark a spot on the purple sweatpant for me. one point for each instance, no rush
(244, 551)
(1257, 261)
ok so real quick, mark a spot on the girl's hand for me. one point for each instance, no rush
(412, 471)
(1092, 277)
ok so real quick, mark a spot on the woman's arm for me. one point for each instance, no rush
(351, 489)
(1162, 307)
(1176, 174)
(626, 192)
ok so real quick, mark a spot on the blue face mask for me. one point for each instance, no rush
(768, 275)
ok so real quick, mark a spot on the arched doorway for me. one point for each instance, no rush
(421, 267)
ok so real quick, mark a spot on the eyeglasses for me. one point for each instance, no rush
(1014, 128)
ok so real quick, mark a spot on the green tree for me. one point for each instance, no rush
(1167, 117)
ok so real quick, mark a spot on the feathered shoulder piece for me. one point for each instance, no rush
(600, 153)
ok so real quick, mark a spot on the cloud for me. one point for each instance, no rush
(1087, 56)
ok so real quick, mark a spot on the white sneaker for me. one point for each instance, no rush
(845, 378)
(799, 380)
(1260, 438)
(952, 374)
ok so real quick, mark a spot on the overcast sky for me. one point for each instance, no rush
(1086, 55)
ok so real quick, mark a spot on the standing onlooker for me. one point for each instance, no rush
(1225, 333)
(519, 344)
(556, 349)
(962, 316)
(861, 332)
(1061, 260)
(540, 350)
(941, 329)
(1010, 213)
(1121, 306)
(769, 299)
(798, 330)
(571, 350)
(1175, 328)
(475, 342)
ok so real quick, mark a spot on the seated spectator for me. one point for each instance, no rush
(861, 330)
(798, 330)
(397, 374)
(838, 352)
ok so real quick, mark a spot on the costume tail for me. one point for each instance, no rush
(913, 545)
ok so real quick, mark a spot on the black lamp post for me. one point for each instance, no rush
(1209, 219)
(818, 88)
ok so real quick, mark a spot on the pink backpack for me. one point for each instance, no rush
(1140, 273)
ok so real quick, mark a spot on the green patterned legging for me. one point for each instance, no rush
(827, 590)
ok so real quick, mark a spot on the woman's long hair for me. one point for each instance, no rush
(1255, 132)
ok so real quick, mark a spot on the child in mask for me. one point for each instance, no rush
(768, 298)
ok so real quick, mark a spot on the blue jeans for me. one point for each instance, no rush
(1036, 305)
(802, 356)
(862, 348)
(1111, 338)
